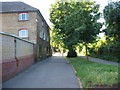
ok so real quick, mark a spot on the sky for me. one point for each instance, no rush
(44, 5)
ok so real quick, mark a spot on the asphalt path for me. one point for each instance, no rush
(53, 72)
(102, 61)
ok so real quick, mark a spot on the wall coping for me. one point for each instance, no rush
(15, 36)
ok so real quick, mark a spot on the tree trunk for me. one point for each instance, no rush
(71, 52)
(86, 50)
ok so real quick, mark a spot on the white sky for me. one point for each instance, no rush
(44, 5)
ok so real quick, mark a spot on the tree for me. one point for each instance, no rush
(112, 21)
(58, 13)
(75, 22)
(84, 22)
(56, 41)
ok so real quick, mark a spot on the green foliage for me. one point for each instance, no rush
(79, 48)
(110, 58)
(94, 73)
(75, 22)
(116, 50)
(56, 42)
(112, 18)
(101, 50)
(109, 47)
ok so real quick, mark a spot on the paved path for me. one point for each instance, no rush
(53, 72)
(102, 61)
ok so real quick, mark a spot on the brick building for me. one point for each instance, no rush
(28, 23)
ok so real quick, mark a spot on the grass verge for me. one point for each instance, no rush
(93, 74)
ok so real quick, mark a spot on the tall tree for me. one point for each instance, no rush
(112, 18)
(75, 22)
(58, 13)
(84, 22)
(112, 21)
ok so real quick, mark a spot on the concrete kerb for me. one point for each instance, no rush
(79, 83)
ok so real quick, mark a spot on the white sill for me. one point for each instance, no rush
(23, 20)
(23, 37)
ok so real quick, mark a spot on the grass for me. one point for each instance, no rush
(94, 73)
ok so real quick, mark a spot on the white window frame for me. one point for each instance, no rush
(46, 37)
(41, 34)
(23, 33)
(23, 16)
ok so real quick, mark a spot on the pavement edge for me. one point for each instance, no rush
(79, 83)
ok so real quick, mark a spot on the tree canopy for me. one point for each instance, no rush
(75, 22)
(112, 18)
(112, 21)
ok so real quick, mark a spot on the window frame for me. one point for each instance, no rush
(41, 34)
(23, 35)
(23, 16)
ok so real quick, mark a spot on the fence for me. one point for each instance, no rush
(17, 54)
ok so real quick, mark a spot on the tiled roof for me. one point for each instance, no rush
(16, 7)
(19, 7)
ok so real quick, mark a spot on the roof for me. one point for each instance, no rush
(16, 7)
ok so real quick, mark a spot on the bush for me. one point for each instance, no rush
(110, 58)
(72, 53)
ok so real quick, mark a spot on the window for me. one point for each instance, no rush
(23, 16)
(43, 36)
(23, 33)
(46, 37)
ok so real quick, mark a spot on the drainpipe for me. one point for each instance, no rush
(15, 53)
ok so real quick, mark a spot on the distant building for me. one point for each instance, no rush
(28, 23)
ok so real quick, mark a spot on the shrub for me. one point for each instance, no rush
(110, 58)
